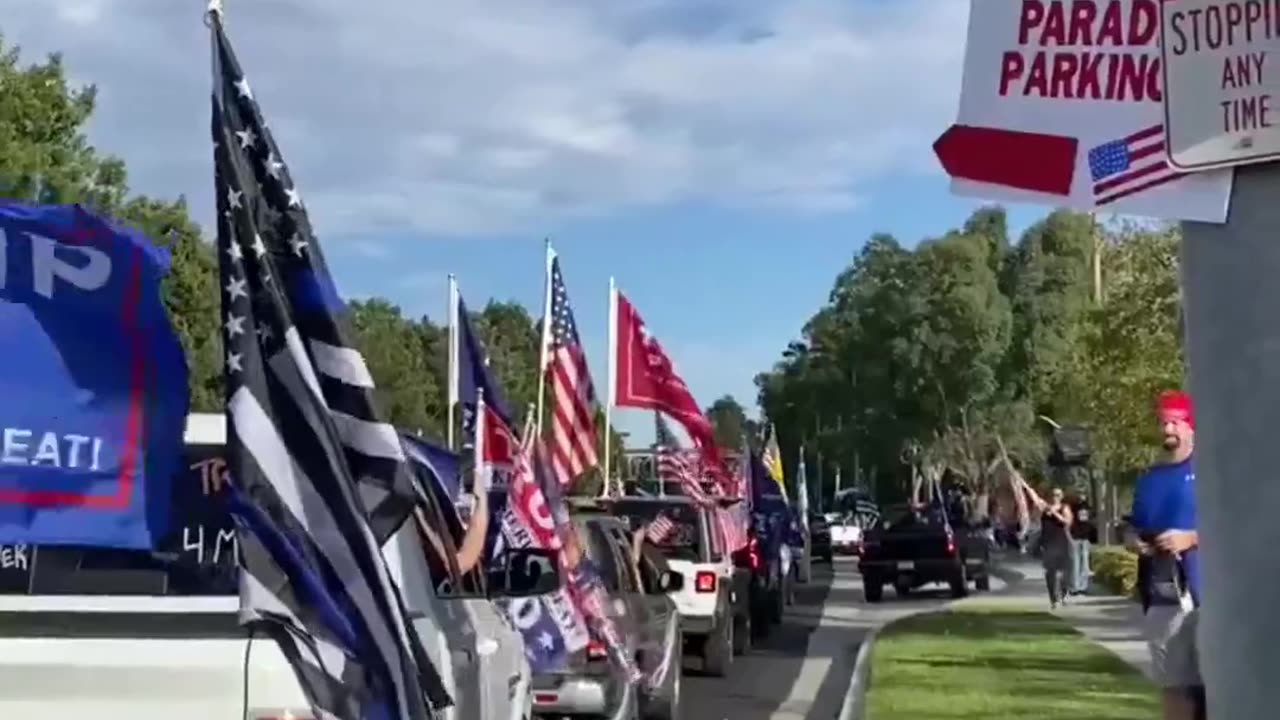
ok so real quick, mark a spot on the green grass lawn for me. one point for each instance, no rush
(1000, 665)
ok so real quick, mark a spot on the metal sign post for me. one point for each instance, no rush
(1232, 308)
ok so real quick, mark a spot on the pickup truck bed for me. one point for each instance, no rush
(138, 658)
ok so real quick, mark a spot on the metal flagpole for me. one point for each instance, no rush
(610, 391)
(451, 371)
(802, 507)
(545, 348)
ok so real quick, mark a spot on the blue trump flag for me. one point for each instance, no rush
(442, 466)
(473, 375)
(95, 382)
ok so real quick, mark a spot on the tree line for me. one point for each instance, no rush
(931, 357)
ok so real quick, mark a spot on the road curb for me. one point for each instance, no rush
(854, 706)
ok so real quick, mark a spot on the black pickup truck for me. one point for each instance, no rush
(911, 547)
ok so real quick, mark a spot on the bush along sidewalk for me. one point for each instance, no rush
(1115, 569)
(980, 662)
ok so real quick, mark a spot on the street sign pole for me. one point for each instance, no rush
(1232, 311)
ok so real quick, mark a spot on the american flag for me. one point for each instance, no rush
(659, 529)
(733, 526)
(1123, 167)
(573, 428)
(312, 573)
(674, 463)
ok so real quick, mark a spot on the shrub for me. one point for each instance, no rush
(1116, 569)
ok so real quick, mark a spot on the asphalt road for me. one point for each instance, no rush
(802, 669)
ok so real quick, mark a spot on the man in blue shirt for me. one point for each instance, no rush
(1164, 526)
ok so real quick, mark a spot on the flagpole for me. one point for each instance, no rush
(451, 363)
(802, 507)
(545, 347)
(480, 480)
(610, 392)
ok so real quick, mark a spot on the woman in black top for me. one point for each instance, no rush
(1055, 542)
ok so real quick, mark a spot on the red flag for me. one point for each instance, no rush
(500, 445)
(646, 379)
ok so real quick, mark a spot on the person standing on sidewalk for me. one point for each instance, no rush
(1083, 534)
(1055, 542)
(1163, 523)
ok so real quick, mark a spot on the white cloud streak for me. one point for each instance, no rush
(429, 117)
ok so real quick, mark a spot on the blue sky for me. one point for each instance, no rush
(723, 290)
(724, 159)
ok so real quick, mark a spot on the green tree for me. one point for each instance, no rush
(433, 346)
(1133, 346)
(44, 154)
(46, 158)
(511, 339)
(1049, 282)
(392, 349)
(729, 422)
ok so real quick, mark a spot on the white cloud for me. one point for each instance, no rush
(460, 118)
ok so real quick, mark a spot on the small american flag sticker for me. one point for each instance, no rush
(1130, 165)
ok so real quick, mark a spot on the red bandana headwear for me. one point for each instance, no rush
(1175, 405)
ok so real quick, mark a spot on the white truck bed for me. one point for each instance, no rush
(138, 658)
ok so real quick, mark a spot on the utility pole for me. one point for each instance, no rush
(1103, 511)
(1233, 351)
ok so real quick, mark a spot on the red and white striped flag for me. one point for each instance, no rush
(573, 428)
(659, 529)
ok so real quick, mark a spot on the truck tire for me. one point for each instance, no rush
(902, 588)
(959, 583)
(717, 652)
(873, 591)
(982, 583)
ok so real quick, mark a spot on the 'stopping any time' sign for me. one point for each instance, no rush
(1223, 98)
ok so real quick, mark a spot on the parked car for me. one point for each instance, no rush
(638, 587)
(912, 547)
(845, 535)
(820, 538)
(713, 600)
(129, 635)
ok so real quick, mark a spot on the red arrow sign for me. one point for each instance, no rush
(1028, 161)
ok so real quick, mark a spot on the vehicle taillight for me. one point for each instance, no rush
(951, 545)
(753, 555)
(596, 650)
(704, 582)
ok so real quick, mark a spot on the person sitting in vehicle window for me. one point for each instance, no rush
(468, 555)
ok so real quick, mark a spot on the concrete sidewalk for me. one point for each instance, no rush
(1115, 623)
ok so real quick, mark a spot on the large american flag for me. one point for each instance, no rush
(1130, 165)
(301, 433)
(733, 526)
(573, 428)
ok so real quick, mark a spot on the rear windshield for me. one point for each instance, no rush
(902, 517)
(682, 539)
(196, 558)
